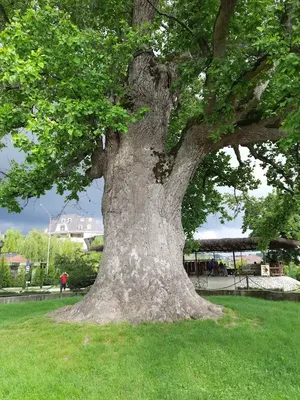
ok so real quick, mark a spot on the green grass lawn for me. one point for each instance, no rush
(252, 353)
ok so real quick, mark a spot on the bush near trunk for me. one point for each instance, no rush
(81, 268)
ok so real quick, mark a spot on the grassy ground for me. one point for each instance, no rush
(252, 353)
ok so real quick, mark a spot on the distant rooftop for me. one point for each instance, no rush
(74, 223)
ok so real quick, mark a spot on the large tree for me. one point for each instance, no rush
(142, 93)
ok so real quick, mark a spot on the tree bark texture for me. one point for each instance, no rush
(141, 277)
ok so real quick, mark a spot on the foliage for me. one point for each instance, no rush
(276, 216)
(13, 241)
(20, 280)
(146, 362)
(63, 75)
(34, 246)
(5, 275)
(81, 269)
(292, 270)
(190, 246)
(52, 278)
(94, 256)
(203, 197)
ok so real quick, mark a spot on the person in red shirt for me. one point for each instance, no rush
(63, 281)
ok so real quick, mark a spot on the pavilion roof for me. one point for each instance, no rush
(234, 244)
(244, 244)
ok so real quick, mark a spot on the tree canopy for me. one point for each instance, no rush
(65, 86)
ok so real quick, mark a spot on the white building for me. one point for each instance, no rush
(75, 227)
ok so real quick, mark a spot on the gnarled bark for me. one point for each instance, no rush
(141, 277)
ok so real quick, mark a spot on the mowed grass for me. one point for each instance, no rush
(252, 353)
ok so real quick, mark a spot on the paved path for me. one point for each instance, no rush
(284, 283)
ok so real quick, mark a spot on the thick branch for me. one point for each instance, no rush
(98, 160)
(197, 142)
(98, 164)
(143, 12)
(4, 14)
(219, 45)
(221, 27)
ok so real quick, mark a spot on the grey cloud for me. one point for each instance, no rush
(33, 216)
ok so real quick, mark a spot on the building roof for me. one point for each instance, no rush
(15, 259)
(243, 244)
(71, 223)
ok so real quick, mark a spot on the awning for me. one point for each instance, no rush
(243, 244)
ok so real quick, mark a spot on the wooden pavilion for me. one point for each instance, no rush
(235, 245)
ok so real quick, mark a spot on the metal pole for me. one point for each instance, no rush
(49, 238)
(234, 262)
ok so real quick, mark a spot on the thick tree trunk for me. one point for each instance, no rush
(141, 277)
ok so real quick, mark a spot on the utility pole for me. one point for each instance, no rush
(49, 237)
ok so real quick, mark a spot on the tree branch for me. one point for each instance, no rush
(4, 14)
(221, 27)
(4, 174)
(255, 132)
(169, 16)
(198, 142)
(238, 154)
(274, 165)
(220, 32)
(143, 12)
(202, 42)
(98, 160)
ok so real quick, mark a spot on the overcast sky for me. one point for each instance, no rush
(34, 217)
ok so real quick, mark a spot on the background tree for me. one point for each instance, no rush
(276, 216)
(13, 241)
(143, 93)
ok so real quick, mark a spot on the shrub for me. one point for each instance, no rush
(52, 278)
(81, 270)
(20, 280)
(292, 270)
(37, 276)
(5, 275)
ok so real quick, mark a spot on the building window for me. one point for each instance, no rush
(80, 227)
(89, 226)
(62, 228)
(63, 220)
(90, 219)
(69, 220)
